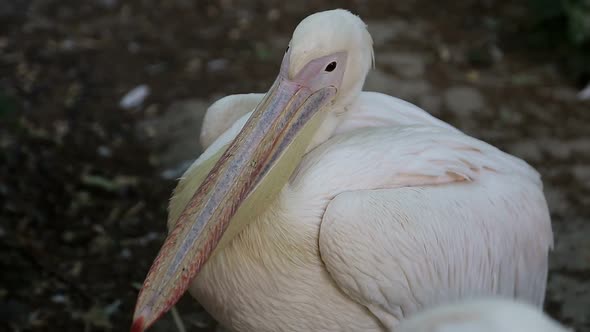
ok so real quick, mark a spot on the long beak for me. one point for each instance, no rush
(276, 126)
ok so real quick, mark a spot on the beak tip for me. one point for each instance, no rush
(142, 320)
(138, 324)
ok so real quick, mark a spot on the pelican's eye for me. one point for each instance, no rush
(287, 50)
(331, 66)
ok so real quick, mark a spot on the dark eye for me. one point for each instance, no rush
(287, 50)
(330, 67)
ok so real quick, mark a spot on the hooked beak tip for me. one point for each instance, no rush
(138, 324)
(141, 321)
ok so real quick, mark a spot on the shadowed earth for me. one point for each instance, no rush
(85, 182)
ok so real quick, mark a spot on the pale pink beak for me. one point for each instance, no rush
(285, 109)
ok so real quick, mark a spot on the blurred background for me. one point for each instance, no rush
(101, 103)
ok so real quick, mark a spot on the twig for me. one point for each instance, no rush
(177, 320)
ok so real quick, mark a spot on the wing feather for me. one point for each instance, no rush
(223, 113)
(397, 251)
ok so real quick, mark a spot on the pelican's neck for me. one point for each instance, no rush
(339, 108)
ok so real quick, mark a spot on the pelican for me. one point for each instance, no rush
(318, 207)
(482, 315)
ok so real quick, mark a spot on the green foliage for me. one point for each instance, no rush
(578, 14)
(569, 16)
(564, 26)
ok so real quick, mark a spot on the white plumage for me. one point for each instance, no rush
(390, 211)
(483, 315)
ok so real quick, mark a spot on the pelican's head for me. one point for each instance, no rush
(332, 47)
(324, 67)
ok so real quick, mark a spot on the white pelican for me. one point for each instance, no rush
(482, 315)
(331, 209)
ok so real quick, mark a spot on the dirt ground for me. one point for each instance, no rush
(84, 182)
